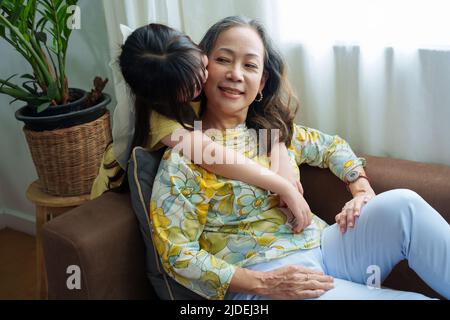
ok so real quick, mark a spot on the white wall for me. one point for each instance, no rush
(88, 56)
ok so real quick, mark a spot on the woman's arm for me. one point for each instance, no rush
(361, 185)
(362, 192)
(318, 149)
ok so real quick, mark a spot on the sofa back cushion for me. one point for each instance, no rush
(142, 170)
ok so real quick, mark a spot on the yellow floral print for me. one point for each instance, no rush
(204, 225)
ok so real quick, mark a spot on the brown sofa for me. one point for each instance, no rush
(103, 237)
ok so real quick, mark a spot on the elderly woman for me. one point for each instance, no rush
(225, 239)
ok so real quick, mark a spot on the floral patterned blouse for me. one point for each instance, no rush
(205, 225)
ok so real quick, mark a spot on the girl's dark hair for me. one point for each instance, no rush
(278, 106)
(163, 69)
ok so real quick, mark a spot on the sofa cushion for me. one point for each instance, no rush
(142, 170)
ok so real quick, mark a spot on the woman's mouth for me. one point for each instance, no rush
(231, 92)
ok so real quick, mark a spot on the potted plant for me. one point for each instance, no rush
(67, 129)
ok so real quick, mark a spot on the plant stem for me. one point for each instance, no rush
(62, 73)
(30, 49)
(38, 49)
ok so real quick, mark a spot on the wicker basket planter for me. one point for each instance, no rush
(67, 159)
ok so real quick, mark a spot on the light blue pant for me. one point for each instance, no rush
(393, 226)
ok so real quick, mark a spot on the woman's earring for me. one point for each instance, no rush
(260, 97)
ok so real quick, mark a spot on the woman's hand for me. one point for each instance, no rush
(297, 211)
(351, 210)
(294, 282)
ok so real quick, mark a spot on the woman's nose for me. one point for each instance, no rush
(235, 74)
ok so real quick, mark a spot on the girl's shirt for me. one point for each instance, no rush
(160, 126)
(205, 225)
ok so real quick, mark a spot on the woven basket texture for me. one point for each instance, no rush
(68, 160)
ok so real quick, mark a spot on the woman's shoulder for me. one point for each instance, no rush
(303, 134)
(300, 131)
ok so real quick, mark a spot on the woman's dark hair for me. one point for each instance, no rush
(163, 69)
(278, 106)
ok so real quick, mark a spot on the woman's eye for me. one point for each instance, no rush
(222, 60)
(251, 66)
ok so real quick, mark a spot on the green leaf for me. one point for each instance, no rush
(16, 14)
(11, 77)
(27, 76)
(14, 100)
(41, 24)
(61, 16)
(46, 5)
(43, 106)
(28, 9)
(30, 89)
(2, 31)
(53, 50)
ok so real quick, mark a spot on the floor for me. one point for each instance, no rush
(17, 265)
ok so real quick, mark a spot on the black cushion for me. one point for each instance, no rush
(142, 170)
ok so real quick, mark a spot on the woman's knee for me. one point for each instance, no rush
(404, 195)
(398, 201)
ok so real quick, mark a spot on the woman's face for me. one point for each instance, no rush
(235, 72)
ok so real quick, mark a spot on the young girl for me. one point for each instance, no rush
(165, 71)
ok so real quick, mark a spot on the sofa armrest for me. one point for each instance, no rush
(102, 237)
(326, 195)
(430, 181)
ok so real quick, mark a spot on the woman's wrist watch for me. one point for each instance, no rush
(353, 176)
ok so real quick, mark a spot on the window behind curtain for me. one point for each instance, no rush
(411, 23)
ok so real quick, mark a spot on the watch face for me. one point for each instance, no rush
(352, 176)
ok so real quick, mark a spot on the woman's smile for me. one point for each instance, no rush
(231, 93)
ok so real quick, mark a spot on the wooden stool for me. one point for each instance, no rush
(47, 208)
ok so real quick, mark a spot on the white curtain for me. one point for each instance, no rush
(358, 68)
(375, 72)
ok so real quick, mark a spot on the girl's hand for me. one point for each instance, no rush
(288, 173)
(351, 210)
(297, 211)
(294, 282)
(298, 185)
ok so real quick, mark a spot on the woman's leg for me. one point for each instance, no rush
(343, 290)
(347, 290)
(393, 226)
